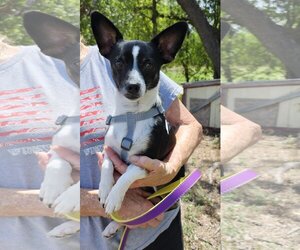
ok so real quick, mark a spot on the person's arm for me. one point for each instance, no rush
(237, 134)
(188, 136)
(89, 203)
(18, 202)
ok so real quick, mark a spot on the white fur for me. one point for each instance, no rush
(135, 76)
(111, 229)
(112, 195)
(64, 229)
(56, 189)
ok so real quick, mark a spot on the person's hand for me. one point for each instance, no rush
(159, 172)
(68, 155)
(135, 202)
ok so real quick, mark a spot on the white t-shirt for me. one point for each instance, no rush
(97, 92)
(34, 90)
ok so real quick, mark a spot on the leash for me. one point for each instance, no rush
(173, 192)
(237, 180)
(131, 119)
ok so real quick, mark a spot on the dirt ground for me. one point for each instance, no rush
(264, 214)
(201, 206)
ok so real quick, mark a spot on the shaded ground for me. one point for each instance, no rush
(201, 206)
(264, 214)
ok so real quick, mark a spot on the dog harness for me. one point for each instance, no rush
(131, 119)
(63, 120)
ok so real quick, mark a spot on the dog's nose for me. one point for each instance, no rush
(133, 88)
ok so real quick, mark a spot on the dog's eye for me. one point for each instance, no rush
(119, 64)
(148, 65)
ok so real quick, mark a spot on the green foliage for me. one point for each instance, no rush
(142, 19)
(244, 58)
(11, 24)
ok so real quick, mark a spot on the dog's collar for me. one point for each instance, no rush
(131, 119)
(63, 120)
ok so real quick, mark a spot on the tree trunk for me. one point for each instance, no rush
(278, 40)
(209, 35)
(154, 17)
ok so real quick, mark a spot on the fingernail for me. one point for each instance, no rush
(134, 158)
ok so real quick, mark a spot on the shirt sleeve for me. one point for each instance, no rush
(168, 90)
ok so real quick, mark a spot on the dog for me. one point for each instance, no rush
(59, 39)
(137, 109)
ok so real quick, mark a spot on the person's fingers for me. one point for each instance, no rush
(145, 162)
(68, 155)
(143, 193)
(119, 165)
(116, 175)
(100, 159)
(43, 159)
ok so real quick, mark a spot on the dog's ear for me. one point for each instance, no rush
(105, 33)
(54, 36)
(225, 28)
(170, 40)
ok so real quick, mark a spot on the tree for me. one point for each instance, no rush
(277, 28)
(11, 12)
(209, 34)
(142, 20)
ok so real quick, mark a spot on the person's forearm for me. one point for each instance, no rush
(237, 137)
(89, 203)
(18, 202)
(188, 134)
(187, 139)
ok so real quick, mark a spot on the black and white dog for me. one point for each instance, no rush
(59, 39)
(137, 125)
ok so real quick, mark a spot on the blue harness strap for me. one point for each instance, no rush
(131, 119)
(63, 120)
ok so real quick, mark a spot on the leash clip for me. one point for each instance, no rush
(126, 143)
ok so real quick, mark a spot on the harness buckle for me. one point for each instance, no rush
(61, 120)
(126, 143)
(108, 120)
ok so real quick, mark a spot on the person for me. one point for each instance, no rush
(96, 91)
(29, 103)
(237, 134)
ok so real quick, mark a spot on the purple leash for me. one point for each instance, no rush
(183, 187)
(237, 180)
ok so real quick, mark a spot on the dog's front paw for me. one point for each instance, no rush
(114, 201)
(105, 187)
(66, 229)
(51, 190)
(111, 229)
(68, 201)
(57, 180)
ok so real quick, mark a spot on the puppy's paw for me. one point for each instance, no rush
(114, 201)
(50, 191)
(57, 180)
(105, 187)
(66, 229)
(111, 229)
(68, 201)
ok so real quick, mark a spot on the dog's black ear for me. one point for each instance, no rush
(105, 33)
(54, 36)
(170, 40)
(225, 28)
